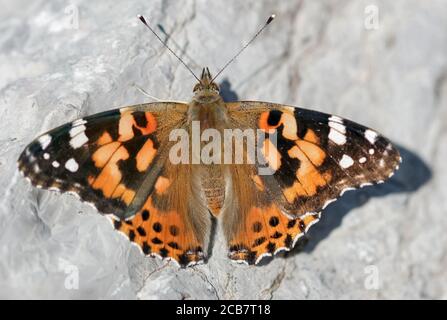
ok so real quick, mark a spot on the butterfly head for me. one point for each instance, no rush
(206, 86)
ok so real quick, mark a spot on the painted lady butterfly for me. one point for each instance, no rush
(119, 161)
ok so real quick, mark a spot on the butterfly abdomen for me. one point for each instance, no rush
(213, 186)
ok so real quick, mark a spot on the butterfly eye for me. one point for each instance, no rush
(214, 87)
(197, 87)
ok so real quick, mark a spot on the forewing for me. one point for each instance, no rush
(110, 159)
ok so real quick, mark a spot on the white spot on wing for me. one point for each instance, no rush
(291, 217)
(79, 140)
(328, 202)
(308, 214)
(78, 137)
(371, 151)
(337, 126)
(75, 130)
(337, 137)
(346, 161)
(371, 136)
(311, 224)
(44, 141)
(297, 237)
(78, 122)
(262, 256)
(347, 189)
(336, 119)
(71, 165)
(362, 160)
(281, 249)
(46, 156)
(55, 164)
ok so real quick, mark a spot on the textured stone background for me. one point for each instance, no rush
(56, 66)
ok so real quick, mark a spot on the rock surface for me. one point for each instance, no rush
(61, 61)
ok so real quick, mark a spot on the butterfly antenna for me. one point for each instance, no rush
(269, 20)
(182, 50)
(167, 47)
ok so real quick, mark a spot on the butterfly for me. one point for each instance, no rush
(120, 162)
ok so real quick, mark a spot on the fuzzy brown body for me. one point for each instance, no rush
(223, 185)
(211, 113)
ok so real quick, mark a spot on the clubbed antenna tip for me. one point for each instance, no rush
(142, 19)
(269, 20)
(158, 37)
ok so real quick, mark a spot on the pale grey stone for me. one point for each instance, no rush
(317, 54)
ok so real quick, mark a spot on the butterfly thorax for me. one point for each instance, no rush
(207, 105)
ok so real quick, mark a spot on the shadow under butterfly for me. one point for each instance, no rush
(227, 92)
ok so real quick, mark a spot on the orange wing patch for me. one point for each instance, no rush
(310, 136)
(128, 123)
(314, 153)
(271, 120)
(146, 155)
(271, 154)
(162, 234)
(267, 232)
(111, 152)
(105, 138)
(125, 194)
(307, 174)
(162, 184)
(309, 179)
(110, 175)
(103, 154)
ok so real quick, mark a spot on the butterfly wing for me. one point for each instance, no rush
(316, 158)
(117, 160)
(174, 222)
